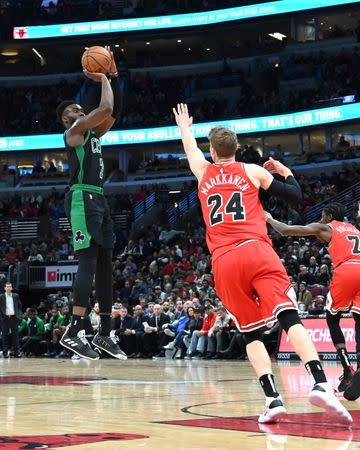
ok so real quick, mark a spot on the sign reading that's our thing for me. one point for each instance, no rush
(200, 130)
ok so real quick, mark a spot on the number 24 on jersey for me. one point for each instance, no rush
(233, 207)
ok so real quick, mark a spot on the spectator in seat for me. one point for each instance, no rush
(318, 306)
(304, 275)
(323, 276)
(154, 338)
(218, 335)
(35, 256)
(126, 336)
(52, 169)
(313, 268)
(170, 267)
(199, 338)
(195, 324)
(179, 309)
(11, 256)
(31, 344)
(167, 311)
(58, 329)
(342, 144)
(137, 330)
(304, 295)
(94, 317)
(177, 330)
(136, 290)
(159, 295)
(125, 292)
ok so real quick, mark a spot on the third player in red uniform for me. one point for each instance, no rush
(343, 241)
(249, 276)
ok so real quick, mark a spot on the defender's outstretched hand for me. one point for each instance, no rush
(274, 166)
(182, 117)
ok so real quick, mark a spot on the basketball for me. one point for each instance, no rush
(96, 59)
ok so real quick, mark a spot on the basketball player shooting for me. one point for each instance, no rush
(89, 215)
(343, 243)
(249, 277)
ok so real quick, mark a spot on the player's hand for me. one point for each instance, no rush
(113, 70)
(274, 166)
(98, 77)
(182, 117)
(267, 215)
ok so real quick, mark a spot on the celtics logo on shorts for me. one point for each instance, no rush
(79, 237)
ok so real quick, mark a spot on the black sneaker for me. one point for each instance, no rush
(345, 380)
(5, 355)
(79, 345)
(109, 345)
(352, 392)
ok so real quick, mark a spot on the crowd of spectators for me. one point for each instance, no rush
(149, 99)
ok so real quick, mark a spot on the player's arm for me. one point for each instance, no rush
(288, 190)
(320, 230)
(108, 123)
(195, 156)
(75, 134)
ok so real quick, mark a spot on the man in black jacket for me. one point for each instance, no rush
(10, 314)
(137, 330)
(154, 337)
(126, 338)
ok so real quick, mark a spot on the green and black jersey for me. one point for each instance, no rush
(85, 161)
(85, 205)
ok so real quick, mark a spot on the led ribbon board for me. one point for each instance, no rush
(173, 21)
(239, 126)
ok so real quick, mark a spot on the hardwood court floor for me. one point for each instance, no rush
(116, 405)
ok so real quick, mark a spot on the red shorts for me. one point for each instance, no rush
(345, 289)
(253, 285)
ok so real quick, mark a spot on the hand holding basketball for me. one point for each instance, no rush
(94, 76)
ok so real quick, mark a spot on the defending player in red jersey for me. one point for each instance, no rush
(249, 276)
(343, 241)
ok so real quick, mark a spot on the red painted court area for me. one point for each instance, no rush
(292, 425)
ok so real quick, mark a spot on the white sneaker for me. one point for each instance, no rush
(323, 396)
(170, 346)
(274, 411)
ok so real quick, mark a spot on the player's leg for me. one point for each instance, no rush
(357, 337)
(74, 337)
(277, 299)
(260, 360)
(232, 272)
(352, 392)
(338, 339)
(106, 339)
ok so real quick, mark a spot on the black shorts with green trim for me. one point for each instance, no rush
(89, 216)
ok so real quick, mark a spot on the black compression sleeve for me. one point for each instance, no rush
(117, 108)
(290, 190)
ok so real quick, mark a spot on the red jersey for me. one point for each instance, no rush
(345, 243)
(231, 208)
